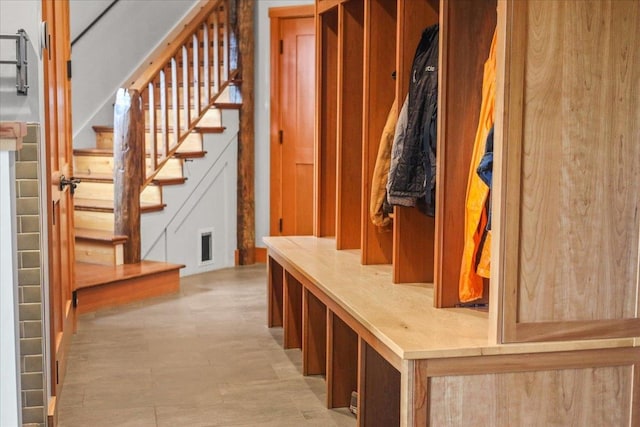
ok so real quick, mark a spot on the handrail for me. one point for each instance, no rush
(177, 87)
(94, 22)
(157, 63)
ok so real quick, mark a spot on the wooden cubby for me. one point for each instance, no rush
(314, 334)
(467, 26)
(349, 125)
(380, 18)
(342, 367)
(326, 123)
(365, 53)
(275, 275)
(563, 302)
(292, 319)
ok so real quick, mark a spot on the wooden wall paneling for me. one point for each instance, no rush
(419, 394)
(577, 255)
(379, 389)
(465, 26)
(592, 387)
(327, 98)
(413, 232)
(314, 335)
(379, 93)
(292, 319)
(275, 277)
(342, 362)
(349, 125)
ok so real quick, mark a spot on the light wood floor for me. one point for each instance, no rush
(203, 357)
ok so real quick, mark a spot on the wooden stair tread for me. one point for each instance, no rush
(88, 275)
(210, 129)
(97, 152)
(169, 181)
(100, 235)
(105, 178)
(108, 152)
(97, 205)
(189, 154)
(198, 129)
(93, 177)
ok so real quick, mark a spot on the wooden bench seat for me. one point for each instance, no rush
(388, 342)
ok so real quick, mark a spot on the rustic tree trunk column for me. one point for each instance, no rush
(246, 158)
(128, 137)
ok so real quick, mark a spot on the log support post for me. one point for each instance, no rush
(128, 137)
(246, 157)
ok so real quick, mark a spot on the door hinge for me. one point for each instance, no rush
(281, 47)
(69, 69)
(280, 225)
(280, 136)
(57, 372)
(74, 299)
(53, 213)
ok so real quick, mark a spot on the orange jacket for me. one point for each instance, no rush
(381, 171)
(476, 266)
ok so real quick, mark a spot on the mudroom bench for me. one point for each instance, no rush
(413, 364)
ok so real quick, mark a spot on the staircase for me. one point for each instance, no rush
(183, 93)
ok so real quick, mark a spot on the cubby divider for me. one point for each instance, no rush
(292, 321)
(314, 335)
(275, 274)
(342, 362)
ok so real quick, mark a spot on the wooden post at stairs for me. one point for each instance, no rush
(246, 159)
(128, 137)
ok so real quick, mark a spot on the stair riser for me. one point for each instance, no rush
(99, 253)
(104, 140)
(105, 191)
(104, 166)
(94, 220)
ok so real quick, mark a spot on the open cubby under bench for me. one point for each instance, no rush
(413, 364)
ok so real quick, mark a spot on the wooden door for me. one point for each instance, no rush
(57, 96)
(292, 135)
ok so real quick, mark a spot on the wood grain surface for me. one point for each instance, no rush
(575, 250)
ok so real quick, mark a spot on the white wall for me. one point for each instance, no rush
(206, 201)
(14, 15)
(10, 412)
(84, 12)
(111, 51)
(262, 106)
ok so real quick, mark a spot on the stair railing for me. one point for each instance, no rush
(171, 95)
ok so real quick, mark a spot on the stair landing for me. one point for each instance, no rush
(102, 286)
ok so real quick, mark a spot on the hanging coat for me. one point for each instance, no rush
(412, 175)
(378, 215)
(477, 250)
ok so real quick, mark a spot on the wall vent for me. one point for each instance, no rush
(205, 246)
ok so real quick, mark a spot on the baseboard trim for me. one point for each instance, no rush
(260, 255)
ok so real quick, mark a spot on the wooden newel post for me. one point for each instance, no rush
(128, 137)
(246, 158)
